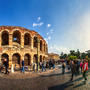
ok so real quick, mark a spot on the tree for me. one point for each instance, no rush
(72, 52)
(61, 56)
(83, 55)
(78, 53)
(64, 56)
(71, 57)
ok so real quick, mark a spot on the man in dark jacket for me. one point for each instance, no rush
(73, 71)
(6, 65)
(23, 70)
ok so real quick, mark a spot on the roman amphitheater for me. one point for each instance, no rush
(18, 43)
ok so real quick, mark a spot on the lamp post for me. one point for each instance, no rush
(37, 50)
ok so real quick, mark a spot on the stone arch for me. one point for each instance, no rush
(41, 45)
(35, 58)
(4, 56)
(28, 33)
(35, 42)
(5, 38)
(27, 39)
(16, 58)
(44, 47)
(17, 36)
(27, 59)
(4, 30)
(16, 30)
(41, 58)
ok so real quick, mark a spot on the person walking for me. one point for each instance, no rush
(43, 65)
(85, 68)
(53, 63)
(40, 64)
(6, 65)
(81, 64)
(63, 67)
(73, 71)
(50, 63)
(23, 69)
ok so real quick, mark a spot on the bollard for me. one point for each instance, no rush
(12, 68)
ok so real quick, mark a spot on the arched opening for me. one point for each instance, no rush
(44, 47)
(40, 45)
(5, 38)
(4, 56)
(17, 37)
(16, 59)
(40, 58)
(43, 57)
(35, 42)
(27, 39)
(27, 59)
(35, 58)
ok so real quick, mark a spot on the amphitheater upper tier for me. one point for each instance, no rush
(18, 43)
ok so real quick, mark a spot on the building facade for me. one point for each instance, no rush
(53, 56)
(18, 43)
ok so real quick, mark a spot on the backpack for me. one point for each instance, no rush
(63, 65)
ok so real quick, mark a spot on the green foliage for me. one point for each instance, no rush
(83, 55)
(71, 57)
(63, 56)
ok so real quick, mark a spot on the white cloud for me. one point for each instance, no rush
(36, 24)
(78, 36)
(46, 40)
(51, 31)
(38, 19)
(48, 25)
(49, 38)
(57, 49)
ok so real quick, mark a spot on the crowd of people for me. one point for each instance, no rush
(42, 65)
(75, 67)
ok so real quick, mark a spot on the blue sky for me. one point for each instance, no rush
(64, 24)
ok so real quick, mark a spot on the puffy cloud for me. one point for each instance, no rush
(38, 19)
(51, 31)
(49, 38)
(48, 25)
(46, 40)
(36, 24)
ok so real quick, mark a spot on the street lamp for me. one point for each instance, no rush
(37, 50)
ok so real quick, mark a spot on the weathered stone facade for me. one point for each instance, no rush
(53, 56)
(19, 43)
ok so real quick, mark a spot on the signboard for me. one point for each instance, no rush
(0, 50)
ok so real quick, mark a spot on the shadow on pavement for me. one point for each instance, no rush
(62, 86)
(81, 84)
(54, 74)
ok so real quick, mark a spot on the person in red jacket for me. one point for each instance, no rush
(85, 68)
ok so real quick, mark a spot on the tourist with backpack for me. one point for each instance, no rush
(63, 68)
